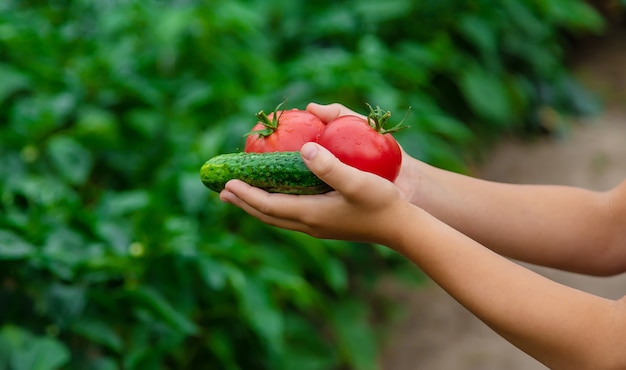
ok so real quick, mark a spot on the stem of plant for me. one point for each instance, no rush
(377, 118)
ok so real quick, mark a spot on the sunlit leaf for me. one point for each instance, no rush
(336, 274)
(190, 190)
(124, 202)
(13, 247)
(213, 273)
(26, 351)
(575, 14)
(12, 81)
(486, 94)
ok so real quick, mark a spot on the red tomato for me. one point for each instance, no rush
(364, 144)
(283, 131)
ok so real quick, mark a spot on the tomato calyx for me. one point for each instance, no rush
(270, 125)
(378, 118)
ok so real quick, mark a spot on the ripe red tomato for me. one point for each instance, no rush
(283, 130)
(363, 143)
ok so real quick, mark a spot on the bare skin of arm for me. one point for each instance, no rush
(561, 327)
(563, 227)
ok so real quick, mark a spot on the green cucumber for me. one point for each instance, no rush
(275, 172)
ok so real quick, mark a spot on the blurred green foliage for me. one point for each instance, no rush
(114, 256)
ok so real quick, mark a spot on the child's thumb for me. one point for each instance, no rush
(325, 165)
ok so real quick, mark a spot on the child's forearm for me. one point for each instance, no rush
(557, 226)
(562, 327)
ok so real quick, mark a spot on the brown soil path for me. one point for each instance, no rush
(438, 333)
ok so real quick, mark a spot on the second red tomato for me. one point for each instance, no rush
(356, 142)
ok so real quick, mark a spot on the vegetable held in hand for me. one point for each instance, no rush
(365, 143)
(271, 159)
(275, 172)
(283, 131)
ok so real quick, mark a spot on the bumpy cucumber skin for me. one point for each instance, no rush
(275, 172)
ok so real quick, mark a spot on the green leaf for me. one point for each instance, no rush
(41, 354)
(577, 15)
(163, 310)
(212, 272)
(376, 11)
(103, 363)
(64, 303)
(12, 81)
(36, 116)
(336, 274)
(64, 250)
(306, 352)
(354, 335)
(479, 32)
(445, 126)
(193, 95)
(98, 332)
(182, 233)
(28, 352)
(122, 203)
(70, 158)
(299, 291)
(486, 94)
(190, 190)
(262, 313)
(13, 247)
(97, 128)
(220, 344)
(117, 234)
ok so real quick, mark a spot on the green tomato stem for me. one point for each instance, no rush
(377, 119)
(269, 125)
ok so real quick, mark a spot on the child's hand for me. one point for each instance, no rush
(408, 179)
(329, 112)
(363, 207)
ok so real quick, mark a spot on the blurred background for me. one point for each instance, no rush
(112, 253)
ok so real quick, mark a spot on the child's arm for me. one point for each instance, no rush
(562, 327)
(563, 227)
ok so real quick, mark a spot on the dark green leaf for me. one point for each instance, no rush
(212, 272)
(73, 161)
(262, 314)
(480, 32)
(98, 332)
(163, 310)
(354, 335)
(64, 303)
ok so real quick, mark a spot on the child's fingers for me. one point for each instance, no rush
(266, 206)
(329, 112)
(262, 205)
